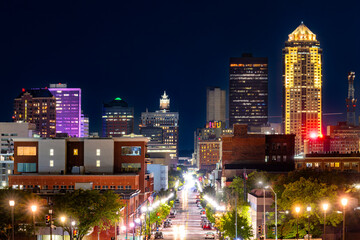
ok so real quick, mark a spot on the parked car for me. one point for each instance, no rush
(167, 224)
(168, 221)
(207, 226)
(159, 235)
(209, 235)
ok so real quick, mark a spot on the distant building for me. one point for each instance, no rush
(349, 162)
(165, 123)
(248, 91)
(160, 173)
(11, 130)
(336, 144)
(302, 81)
(37, 106)
(215, 105)
(271, 128)
(68, 109)
(243, 152)
(209, 154)
(117, 118)
(84, 126)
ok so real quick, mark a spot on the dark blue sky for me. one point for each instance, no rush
(138, 49)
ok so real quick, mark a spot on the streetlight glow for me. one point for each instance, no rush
(143, 209)
(73, 223)
(33, 208)
(325, 206)
(137, 220)
(344, 201)
(308, 209)
(132, 224)
(12, 203)
(62, 219)
(297, 209)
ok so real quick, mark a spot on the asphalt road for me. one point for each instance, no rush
(186, 224)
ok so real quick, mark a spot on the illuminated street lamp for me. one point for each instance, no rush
(297, 210)
(325, 207)
(33, 209)
(308, 209)
(344, 202)
(12, 205)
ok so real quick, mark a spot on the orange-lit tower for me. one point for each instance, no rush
(351, 101)
(302, 79)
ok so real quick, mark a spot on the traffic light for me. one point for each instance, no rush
(47, 219)
(75, 233)
(259, 229)
(273, 230)
(158, 214)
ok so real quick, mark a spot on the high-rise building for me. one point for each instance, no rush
(302, 80)
(68, 109)
(84, 126)
(248, 91)
(37, 105)
(117, 118)
(164, 147)
(215, 105)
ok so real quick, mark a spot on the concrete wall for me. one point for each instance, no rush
(102, 150)
(55, 150)
(160, 173)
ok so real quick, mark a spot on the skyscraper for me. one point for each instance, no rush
(68, 109)
(302, 80)
(248, 91)
(215, 105)
(37, 105)
(117, 118)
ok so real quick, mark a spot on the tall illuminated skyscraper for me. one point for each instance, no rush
(248, 91)
(302, 80)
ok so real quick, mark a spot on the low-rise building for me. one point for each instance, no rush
(160, 173)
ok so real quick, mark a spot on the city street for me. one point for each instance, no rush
(186, 224)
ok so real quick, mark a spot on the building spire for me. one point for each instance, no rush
(165, 102)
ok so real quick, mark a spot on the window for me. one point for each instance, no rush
(51, 163)
(104, 187)
(112, 187)
(55, 187)
(26, 167)
(76, 151)
(51, 152)
(97, 163)
(98, 152)
(71, 187)
(63, 187)
(97, 187)
(130, 151)
(131, 165)
(26, 151)
(120, 187)
(45, 187)
(337, 164)
(308, 165)
(128, 187)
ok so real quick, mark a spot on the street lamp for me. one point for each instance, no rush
(72, 224)
(344, 202)
(63, 219)
(325, 207)
(276, 229)
(260, 183)
(33, 209)
(132, 225)
(308, 209)
(12, 205)
(297, 210)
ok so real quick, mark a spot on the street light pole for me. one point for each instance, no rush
(309, 210)
(63, 219)
(325, 207)
(12, 205)
(344, 202)
(33, 209)
(297, 210)
(276, 228)
(264, 215)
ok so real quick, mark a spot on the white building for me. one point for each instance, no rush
(160, 173)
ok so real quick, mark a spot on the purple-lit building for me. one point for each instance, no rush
(68, 109)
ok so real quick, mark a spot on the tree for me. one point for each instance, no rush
(22, 214)
(303, 193)
(89, 208)
(226, 224)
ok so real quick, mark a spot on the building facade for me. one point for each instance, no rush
(160, 173)
(117, 118)
(210, 153)
(168, 122)
(68, 109)
(215, 105)
(37, 106)
(248, 91)
(302, 84)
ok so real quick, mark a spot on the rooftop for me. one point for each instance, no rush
(302, 33)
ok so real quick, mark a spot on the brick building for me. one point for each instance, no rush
(209, 152)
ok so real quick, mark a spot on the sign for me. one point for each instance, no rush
(151, 199)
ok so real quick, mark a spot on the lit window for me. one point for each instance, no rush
(26, 151)
(51, 163)
(76, 152)
(97, 163)
(97, 152)
(51, 152)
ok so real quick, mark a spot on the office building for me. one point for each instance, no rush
(248, 91)
(302, 81)
(84, 126)
(117, 118)
(38, 106)
(166, 146)
(11, 130)
(215, 105)
(210, 153)
(160, 173)
(68, 109)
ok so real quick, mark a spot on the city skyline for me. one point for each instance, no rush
(186, 74)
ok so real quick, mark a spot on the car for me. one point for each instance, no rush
(207, 226)
(172, 215)
(168, 221)
(209, 235)
(167, 224)
(159, 235)
(177, 200)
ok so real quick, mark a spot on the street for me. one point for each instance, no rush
(186, 224)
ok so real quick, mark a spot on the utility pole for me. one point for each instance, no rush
(264, 215)
(236, 215)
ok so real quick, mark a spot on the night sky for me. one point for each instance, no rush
(137, 49)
